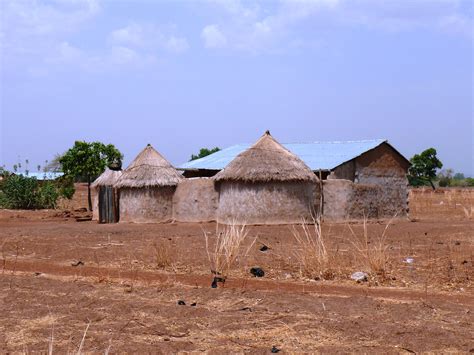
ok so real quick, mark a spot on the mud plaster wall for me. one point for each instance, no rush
(265, 203)
(195, 200)
(146, 205)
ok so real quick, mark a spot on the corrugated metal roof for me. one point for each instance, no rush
(317, 155)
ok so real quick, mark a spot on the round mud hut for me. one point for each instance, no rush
(266, 184)
(146, 188)
(106, 197)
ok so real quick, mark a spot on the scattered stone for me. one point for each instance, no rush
(246, 309)
(360, 276)
(457, 242)
(257, 272)
(264, 248)
(77, 263)
(275, 350)
(82, 209)
(194, 304)
(181, 303)
(464, 262)
(37, 273)
(409, 260)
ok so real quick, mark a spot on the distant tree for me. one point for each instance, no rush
(445, 177)
(53, 165)
(459, 176)
(204, 152)
(423, 168)
(89, 160)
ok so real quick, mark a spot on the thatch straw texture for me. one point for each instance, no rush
(266, 160)
(149, 169)
(107, 178)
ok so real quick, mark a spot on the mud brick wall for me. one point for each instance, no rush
(345, 200)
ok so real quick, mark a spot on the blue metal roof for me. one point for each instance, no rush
(317, 155)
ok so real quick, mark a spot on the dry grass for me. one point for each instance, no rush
(316, 261)
(162, 255)
(468, 212)
(227, 248)
(373, 254)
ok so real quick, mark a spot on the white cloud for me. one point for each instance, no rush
(249, 27)
(148, 37)
(38, 37)
(213, 37)
(176, 44)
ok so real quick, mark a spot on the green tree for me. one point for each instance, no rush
(204, 152)
(423, 168)
(89, 160)
(459, 176)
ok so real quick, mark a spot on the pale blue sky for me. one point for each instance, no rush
(187, 74)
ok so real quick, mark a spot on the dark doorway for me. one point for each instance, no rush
(108, 205)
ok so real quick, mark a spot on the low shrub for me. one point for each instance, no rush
(23, 192)
(66, 187)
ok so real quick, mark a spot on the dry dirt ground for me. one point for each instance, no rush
(72, 286)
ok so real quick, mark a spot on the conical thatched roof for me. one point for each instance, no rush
(266, 160)
(107, 178)
(149, 169)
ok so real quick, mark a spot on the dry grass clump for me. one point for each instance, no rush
(468, 212)
(162, 255)
(373, 254)
(227, 248)
(316, 261)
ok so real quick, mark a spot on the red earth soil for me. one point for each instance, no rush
(117, 287)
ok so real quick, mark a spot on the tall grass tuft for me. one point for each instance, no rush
(373, 254)
(316, 261)
(227, 248)
(162, 255)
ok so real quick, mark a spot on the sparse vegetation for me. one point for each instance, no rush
(227, 248)
(372, 253)
(316, 260)
(162, 254)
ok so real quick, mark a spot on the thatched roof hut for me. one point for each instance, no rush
(266, 184)
(108, 178)
(146, 188)
(266, 160)
(106, 199)
(149, 169)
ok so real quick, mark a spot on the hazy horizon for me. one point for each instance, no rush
(193, 74)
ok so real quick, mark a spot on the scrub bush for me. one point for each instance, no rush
(23, 192)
